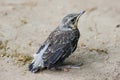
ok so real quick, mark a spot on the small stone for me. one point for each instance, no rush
(23, 21)
(65, 70)
(117, 26)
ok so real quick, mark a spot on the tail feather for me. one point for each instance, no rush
(32, 69)
(30, 66)
(38, 63)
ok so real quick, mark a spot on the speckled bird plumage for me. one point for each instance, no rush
(59, 45)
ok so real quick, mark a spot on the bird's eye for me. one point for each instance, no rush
(73, 20)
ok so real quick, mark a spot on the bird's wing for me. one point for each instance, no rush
(60, 44)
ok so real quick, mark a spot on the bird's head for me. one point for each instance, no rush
(71, 21)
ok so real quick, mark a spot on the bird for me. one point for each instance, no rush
(59, 45)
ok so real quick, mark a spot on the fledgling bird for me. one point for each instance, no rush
(59, 45)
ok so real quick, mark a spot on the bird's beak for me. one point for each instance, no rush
(78, 16)
(81, 12)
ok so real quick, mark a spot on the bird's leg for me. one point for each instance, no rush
(67, 67)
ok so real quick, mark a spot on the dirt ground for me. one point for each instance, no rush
(25, 24)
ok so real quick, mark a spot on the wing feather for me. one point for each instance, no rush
(60, 46)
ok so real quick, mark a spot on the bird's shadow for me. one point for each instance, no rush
(86, 57)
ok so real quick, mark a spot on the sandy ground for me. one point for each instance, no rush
(25, 24)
